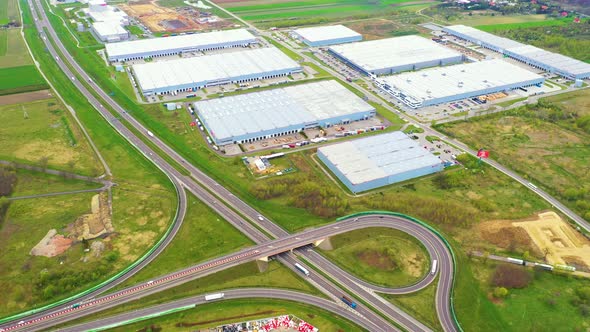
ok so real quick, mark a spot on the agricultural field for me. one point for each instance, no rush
(9, 12)
(385, 28)
(292, 13)
(382, 256)
(550, 137)
(43, 133)
(20, 79)
(17, 72)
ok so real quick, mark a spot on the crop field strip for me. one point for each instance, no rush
(21, 79)
(268, 10)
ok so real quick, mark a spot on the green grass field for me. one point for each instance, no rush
(327, 10)
(204, 235)
(44, 129)
(488, 20)
(420, 305)
(234, 311)
(521, 25)
(26, 223)
(8, 11)
(542, 139)
(20, 79)
(143, 204)
(14, 52)
(32, 183)
(380, 255)
(243, 276)
(549, 295)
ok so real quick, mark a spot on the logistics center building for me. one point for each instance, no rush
(548, 61)
(166, 46)
(327, 35)
(440, 85)
(394, 55)
(378, 161)
(191, 74)
(283, 111)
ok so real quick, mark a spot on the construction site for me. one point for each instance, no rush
(161, 19)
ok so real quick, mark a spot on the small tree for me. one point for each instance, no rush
(500, 292)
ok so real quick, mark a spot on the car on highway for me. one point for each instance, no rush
(260, 218)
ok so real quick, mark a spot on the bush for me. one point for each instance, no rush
(511, 276)
(500, 292)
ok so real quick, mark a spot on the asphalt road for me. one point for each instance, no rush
(430, 131)
(404, 319)
(267, 293)
(273, 248)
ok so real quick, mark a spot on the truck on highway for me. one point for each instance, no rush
(348, 301)
(215, 296)
(434, 267)
(516, 261)
(302, 269)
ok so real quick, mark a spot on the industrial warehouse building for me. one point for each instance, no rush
(108, 21)
(550, 62)
(190, 74)
(394, 55)
(108, 32)
(440, 85)
(327, 35)
(377, 161)
(154, 47)
(273, 113)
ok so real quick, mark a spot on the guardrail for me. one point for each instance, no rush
(430, 228)
(122, 272)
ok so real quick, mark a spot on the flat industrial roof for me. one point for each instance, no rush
(318, 34)
(549, 59)
(454, 80)
(268, 110)
(208, 68)
(500, 42)
(378, 156)
(392, 52)
(108, 28)
(555, 60)
(154, 45)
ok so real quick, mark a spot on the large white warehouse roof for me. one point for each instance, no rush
(377, 55)
(273, 111)
(382, 157)
(187, 42)
(486, 37)
(208, 69)
(459, 80)
(552, 62)
(562, 63)
(323, 34)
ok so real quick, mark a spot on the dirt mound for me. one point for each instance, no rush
(376, 259)
(557, 239)
(504, 235)
(51, 245)
(94, 224)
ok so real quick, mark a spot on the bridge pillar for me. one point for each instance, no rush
(317, 243)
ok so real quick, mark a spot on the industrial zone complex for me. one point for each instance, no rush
(416, 71)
